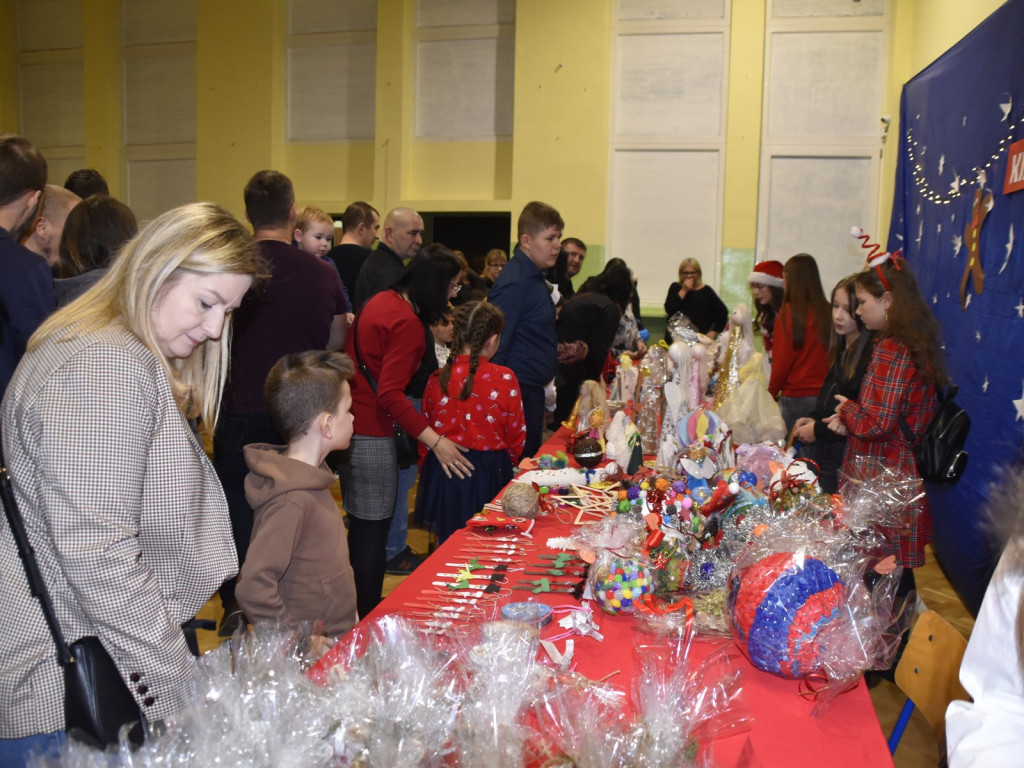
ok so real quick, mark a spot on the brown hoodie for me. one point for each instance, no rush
(297, 567)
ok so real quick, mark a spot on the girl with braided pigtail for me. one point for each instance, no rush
(477, 405)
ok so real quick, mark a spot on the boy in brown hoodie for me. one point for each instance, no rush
(297, 568)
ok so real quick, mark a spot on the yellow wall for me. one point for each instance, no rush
(922, 30)
(559, 149)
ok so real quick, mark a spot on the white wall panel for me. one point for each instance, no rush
(665, 207)
(812, 204)
(812, 92)
(464, 88)
(160, 99)
(670, 84)
(636, 10)
(456, 13)
(52, 104)
(48, 25)
(146, 22)
(331, 92)
(156, 186)
(315, 16)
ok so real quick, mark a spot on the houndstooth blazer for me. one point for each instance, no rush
(127, 518)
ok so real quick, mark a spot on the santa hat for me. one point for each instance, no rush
(767, 273)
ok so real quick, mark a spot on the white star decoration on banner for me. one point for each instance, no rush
(954, 185)
(1006, 106)
(967, 301)
(964, 123)
(1009, 249)
(983, 181)
(958, 243)
(977, 336)
(984, 385)
(1020, 308)
(920, 234)
(942, 163)
(1019, 404)
(935, 299)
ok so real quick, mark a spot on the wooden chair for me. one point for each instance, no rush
(928, 673)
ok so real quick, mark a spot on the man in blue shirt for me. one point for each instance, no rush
(26, 285)
(528, 341)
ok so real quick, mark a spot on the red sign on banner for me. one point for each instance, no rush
(1014, 168)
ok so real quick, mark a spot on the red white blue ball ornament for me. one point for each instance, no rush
(778, 607)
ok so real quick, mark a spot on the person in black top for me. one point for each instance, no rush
(360, 224)
(697, 301)
(849, 352)
(591, 316)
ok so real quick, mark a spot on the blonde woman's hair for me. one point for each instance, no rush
(694, 265)
(200, 238)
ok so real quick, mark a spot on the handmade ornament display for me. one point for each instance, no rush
(750, 411)
(616, 582)
(590, 412)
(778, 606)
(586, 450)
(521, 500)
(735, 350)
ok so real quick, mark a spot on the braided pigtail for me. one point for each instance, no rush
(474, 324)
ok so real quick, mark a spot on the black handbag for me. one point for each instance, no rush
(97, 702)
(407, 447)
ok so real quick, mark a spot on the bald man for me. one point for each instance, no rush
(400, 240)
(44, 236)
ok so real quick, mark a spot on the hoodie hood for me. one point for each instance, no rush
(271, 474)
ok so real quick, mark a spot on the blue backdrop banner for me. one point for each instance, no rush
(958, 230)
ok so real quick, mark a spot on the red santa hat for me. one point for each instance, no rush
(767, 273)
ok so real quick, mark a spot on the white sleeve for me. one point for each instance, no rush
(989, 731)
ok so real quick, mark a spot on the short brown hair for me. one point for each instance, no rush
(22, 168)
(269, 197)
(358, 213)
(303, 385)
(536, 217)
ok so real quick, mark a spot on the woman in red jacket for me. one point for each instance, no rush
(387, 340)
(800, 346)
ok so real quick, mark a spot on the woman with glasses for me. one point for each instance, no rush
(697, 301)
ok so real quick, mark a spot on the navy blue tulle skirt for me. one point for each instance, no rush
(444, 505)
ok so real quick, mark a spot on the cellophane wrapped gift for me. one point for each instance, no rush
(254, 707)
(800, 607)
(502, 682)
(676, 711)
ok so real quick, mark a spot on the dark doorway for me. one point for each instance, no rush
(472, 233)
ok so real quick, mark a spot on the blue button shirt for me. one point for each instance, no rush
(528, 342)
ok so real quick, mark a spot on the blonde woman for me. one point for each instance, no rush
(124, 511)
(494, 262)
(697, 301)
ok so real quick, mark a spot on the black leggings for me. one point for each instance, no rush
(366, 543)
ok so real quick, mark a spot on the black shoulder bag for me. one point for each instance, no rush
(939, 453)
(406, 446)
(97, 703)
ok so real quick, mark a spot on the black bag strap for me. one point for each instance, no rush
(28, 558)
(943, 394)
(359, 360)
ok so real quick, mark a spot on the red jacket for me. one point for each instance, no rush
(797, 372)
(391, 344)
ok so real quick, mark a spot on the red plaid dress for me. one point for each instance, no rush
(892, 387)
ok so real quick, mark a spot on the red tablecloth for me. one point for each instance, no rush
(783, 733)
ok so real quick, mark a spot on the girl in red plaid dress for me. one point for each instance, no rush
(905, 369)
